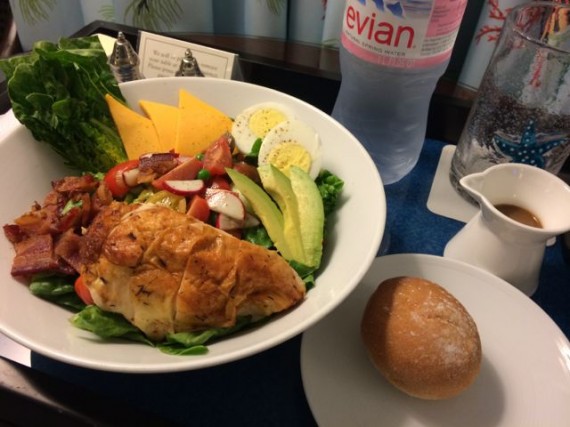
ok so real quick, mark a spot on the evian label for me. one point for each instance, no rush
(402, 33)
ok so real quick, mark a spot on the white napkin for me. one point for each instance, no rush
(443, 199)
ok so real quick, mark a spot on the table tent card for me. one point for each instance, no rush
(160, 56)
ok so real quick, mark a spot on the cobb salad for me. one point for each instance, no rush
(258, 180)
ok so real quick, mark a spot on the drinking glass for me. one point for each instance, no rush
(522, 111)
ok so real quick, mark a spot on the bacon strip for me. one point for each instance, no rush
(67, 248)
(34, 255)
(46, 239)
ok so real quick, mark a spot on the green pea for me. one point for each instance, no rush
(203, 174)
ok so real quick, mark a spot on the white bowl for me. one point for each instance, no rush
(354, 235)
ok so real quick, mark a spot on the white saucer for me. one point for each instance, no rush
(524, 378)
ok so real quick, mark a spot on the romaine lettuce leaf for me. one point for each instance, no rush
(56, 289)
(107, 325)
(58, 92)
(112, 325)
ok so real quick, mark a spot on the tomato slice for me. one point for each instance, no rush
(199, 208)
(82, 291)
(218, 156)
(186, 170)
(114, 179)
(220, 182)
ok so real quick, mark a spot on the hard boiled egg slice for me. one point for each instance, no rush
(256, 121)
(292, 142)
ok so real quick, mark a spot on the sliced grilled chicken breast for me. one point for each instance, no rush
(167, 272)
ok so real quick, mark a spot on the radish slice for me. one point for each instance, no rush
(250, 221)
(224, 222)
(225, 202)
(131, 177)
(184, 187)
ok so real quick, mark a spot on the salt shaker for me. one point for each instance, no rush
(189, 66)
(124, 61)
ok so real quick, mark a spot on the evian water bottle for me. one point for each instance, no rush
(391, 57)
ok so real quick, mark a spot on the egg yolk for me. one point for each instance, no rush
(263, 120)
(289, 154)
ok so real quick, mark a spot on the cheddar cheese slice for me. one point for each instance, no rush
(137, 132)
(164, 117)
(199, 124)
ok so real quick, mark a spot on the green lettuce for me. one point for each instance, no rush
(112, 325)
(330, 186)
(58, 92)
(258, 235)
(57, 289)
(107, 325)
(190, 343)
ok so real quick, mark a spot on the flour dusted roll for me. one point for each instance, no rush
(421, 338)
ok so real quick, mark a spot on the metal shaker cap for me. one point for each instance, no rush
(189, 66)
(124, 61)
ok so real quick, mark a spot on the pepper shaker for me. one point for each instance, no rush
(124, 61)
(189, 66)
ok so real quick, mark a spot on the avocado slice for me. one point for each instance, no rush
(311, 215)
(265, 209)
(279, 188)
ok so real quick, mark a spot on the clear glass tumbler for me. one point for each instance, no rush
(522, 111)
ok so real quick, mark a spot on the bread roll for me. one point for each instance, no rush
(421, 338)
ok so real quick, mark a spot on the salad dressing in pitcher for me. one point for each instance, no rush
(519, 214)
(521, 208)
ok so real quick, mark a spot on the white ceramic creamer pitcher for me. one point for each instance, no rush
(501, 245)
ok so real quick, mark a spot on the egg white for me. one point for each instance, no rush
(292, 131)
(242, 132)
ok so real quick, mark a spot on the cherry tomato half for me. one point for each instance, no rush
(115, 180)
(218, 156)
(220, 182)
(186, 170)
(82, 291)
(199, 208)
